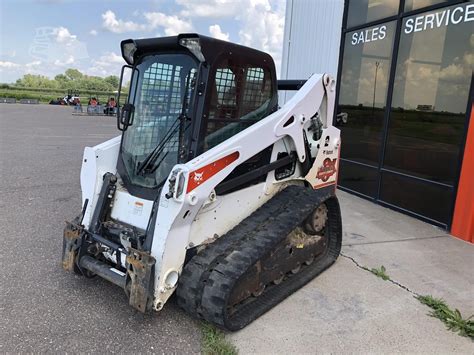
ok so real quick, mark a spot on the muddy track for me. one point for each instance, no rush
(208, 279)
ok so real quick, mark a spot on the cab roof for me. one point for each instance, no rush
(211, 48)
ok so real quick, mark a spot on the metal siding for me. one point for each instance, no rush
(312, 37)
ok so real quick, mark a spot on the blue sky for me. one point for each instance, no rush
(48, 36)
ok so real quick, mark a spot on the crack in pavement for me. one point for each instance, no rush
(396, 283)
(395, 241)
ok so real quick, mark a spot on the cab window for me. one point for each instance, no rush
(241, 95)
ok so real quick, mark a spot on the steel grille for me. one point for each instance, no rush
(159, 106)
(256, 92)
(249, 86)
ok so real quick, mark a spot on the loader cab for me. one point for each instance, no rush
(187, 94)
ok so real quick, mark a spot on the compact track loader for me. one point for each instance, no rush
(211, 192)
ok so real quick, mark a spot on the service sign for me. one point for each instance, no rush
(441, 18)
(447, 17)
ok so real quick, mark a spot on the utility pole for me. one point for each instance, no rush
(377, 64)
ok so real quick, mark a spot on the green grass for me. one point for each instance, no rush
(452, 318)
(380, 273)
(214, 342)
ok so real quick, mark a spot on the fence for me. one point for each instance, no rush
(46, 95)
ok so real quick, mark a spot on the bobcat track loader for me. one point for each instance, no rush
(210, 192)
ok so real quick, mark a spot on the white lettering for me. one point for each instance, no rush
(429, 20)
(354, 39)
(439, 21)
(375, 32)
(383, 32)
(442, 18)
(409, 26)
(418, 23)
(469, 13)
(369, 35)
(453, 21)
(366, 39)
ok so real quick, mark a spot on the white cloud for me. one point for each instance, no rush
(67, 62)
(261, 22)
(20, 69)
(210, 8)
(93, 32)
(36, 67)
(216, 32)
(262, 26)
(33, 64)
(107, 64)
(112, 24)
(8, 65)
(172, 24)
(63, 35)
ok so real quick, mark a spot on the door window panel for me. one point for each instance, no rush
(363, 91)
(430, 95)
(429, 200)
(365, 11)
(358, 178)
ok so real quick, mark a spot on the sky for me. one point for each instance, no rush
(49, 36)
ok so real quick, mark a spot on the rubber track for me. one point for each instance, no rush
(197, 270)
(208, 278)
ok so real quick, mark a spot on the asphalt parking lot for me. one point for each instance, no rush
(43, 308)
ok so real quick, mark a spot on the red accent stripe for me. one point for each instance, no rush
(338, 161)
(463, 219)
(201, 175)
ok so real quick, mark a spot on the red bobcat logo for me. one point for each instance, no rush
(327, 170)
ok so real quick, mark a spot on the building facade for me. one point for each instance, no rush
(405, 88)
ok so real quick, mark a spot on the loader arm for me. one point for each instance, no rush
(191, 185)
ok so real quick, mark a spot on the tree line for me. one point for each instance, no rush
(71, 80)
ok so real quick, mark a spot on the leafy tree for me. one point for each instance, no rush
(37, 81)
(113, 81)
(74, 74)
(61, 78)
(72, 79)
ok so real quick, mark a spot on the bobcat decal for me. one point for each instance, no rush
(198, 177)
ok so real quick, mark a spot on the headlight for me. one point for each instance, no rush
(194, 47)
(128, 51)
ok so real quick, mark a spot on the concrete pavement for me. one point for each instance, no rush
(348, 309)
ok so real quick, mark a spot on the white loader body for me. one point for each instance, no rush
(190, 213)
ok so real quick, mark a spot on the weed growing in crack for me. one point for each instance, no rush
(214, 342)
(453, 319)
(380, 273)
